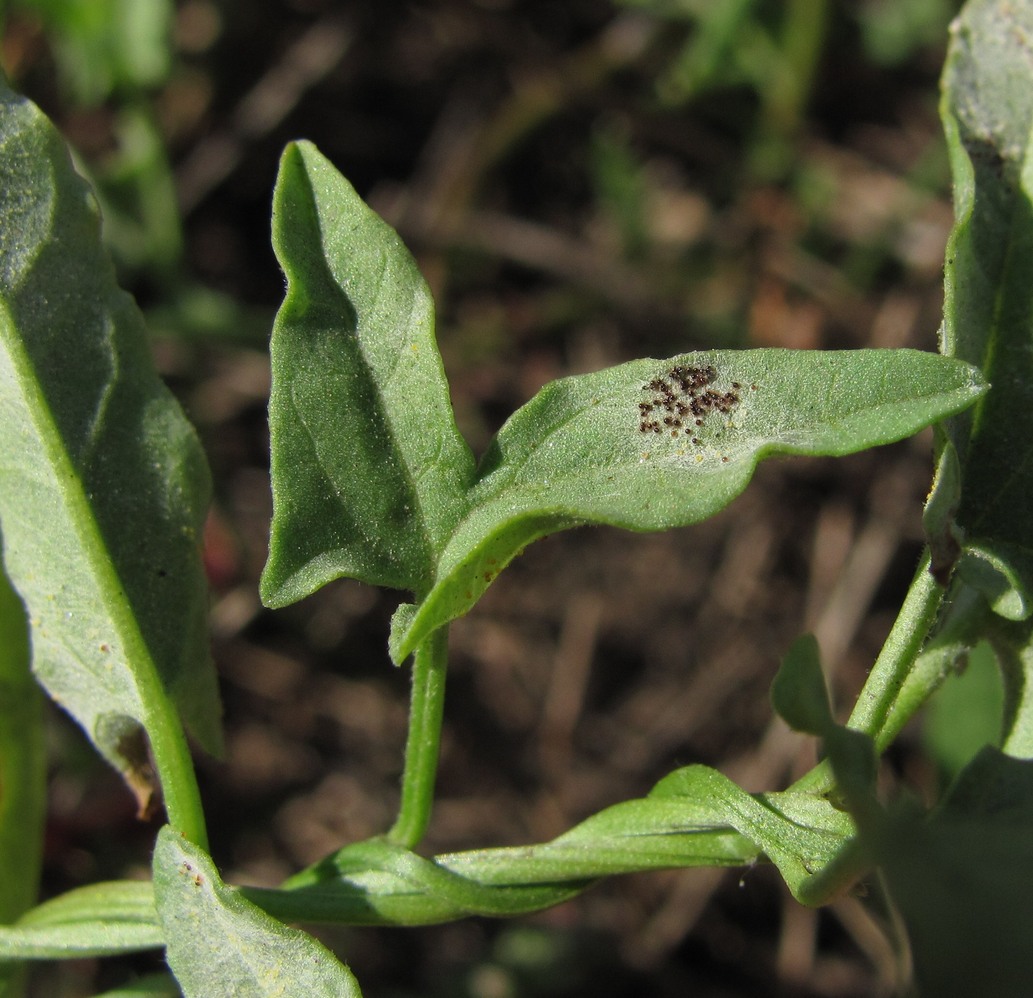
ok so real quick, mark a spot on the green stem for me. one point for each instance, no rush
(23, 773)
(879, 711)
(426, 709)
(789, 82)
(802, 39)
(176, 770)
(22, 762)
(162, 724)
(874, 711)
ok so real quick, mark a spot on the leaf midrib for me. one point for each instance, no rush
(69, 487)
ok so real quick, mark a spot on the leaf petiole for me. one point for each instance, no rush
(877, 710)
(880, 710)
(426, 708)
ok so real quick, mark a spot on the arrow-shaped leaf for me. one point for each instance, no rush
(369, 471)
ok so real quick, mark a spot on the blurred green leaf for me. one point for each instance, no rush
(725, 34)
(961, 877)
(98, 920)
(621, 189)
(965, 713)
(151, 986)
(219, 943)
(107, 45)
(892, 31)
(137, 195)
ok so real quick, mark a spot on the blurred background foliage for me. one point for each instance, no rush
(582, 183)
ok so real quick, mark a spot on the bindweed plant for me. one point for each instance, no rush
(104, 489)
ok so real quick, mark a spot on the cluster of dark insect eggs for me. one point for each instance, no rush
(681, 399)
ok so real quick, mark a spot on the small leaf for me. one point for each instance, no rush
(799, 695)
(369, 471)
(219, 943)
(987, 112)
(98, 920)
(103, 484)
(652, 445)
(1002, 572)
(798, 691)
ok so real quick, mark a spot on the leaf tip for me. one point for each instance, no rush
(403, 640)
(798, 692)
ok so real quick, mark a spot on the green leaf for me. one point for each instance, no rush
(798, 692)
(369, 471)
(219, 943)
(799, 696)
(652, 445)
(800, 833)
(987, 111)
(694, 817)
(98, 920)
(377, 882)
(855, 766)
(103, 484)
(372, 480)
(992, 785)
